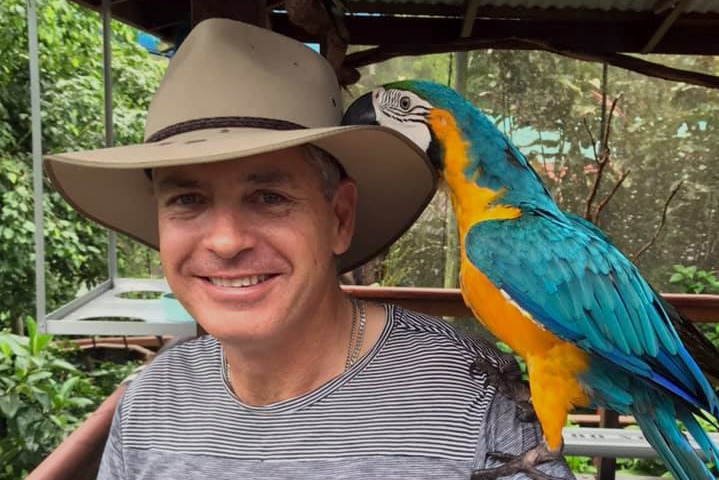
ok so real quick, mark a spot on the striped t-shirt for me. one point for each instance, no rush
(410, 408)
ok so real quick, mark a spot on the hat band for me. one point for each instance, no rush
(222, 122)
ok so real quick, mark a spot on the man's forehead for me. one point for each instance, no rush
(239, 170)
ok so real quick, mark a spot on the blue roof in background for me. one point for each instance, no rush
(155, 46)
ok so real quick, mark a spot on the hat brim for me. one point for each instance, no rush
(394, 178)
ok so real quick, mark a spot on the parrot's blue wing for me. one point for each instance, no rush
(575, 283)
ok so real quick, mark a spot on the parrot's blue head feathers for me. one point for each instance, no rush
(412, 107)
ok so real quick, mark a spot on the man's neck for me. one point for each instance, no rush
(299, 362)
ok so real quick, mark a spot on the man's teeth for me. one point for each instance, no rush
(239, 282)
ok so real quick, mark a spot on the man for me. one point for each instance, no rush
(256, 200)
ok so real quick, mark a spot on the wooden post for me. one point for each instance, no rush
(249, 11)
(607, 467)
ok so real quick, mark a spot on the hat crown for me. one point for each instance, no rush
(226, 68)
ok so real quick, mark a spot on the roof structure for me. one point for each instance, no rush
(593, 30)
(629, 26)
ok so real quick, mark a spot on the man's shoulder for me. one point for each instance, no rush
(188, 364)
(440, 337)
(189, 354)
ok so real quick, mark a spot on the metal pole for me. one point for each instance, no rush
(36, 165)
(109, 138)
(451, 256)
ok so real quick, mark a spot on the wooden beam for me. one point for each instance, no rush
(457, 10)
(470, 16)
(666, 24)
(428, 35)
(154, 16)
(579, 29)
(380, 54)
(697, 308)
(249, 11)
(448, 301)
(644, 67)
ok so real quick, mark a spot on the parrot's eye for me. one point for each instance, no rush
(405, 103)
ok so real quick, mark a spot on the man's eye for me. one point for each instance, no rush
(271, 198)
(186, 199)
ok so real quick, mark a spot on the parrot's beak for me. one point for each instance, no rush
(361, 112)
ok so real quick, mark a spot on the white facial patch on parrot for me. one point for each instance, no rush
(404, 112)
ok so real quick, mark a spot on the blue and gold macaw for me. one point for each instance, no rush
(551, 286)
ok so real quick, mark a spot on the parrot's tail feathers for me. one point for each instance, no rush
(678, 391)
(712, 403)
(661, 430)
(683, 378)
(711, 451)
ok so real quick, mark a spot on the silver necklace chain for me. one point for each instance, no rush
(357, 333)
(356, 340)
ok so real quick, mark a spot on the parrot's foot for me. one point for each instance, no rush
(508, 379)
(525, 463)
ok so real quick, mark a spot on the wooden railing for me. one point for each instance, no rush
(448, 302)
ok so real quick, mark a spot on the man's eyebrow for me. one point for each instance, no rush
(173, 182)
(273, 177)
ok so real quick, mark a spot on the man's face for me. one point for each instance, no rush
(248, 245)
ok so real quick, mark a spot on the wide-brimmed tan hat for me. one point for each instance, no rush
(233, 90)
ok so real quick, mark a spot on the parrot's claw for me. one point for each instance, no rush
(525, 463)
(508, 378)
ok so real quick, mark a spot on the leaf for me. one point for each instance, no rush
(38, 376)
(31, 328)
(39, 342)
(42, 398)
(68, 386)
(81, 402)
(16, 344)
(63, 364)
(10, 404)
(59, 421)
(675, 278)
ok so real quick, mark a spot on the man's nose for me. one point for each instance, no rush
(228, 233)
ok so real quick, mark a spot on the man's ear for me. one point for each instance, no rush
(343, 208)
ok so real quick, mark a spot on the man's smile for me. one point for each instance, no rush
(246, 281)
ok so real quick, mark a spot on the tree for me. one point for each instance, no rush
(70, 46)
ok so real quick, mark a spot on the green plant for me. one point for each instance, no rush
(690, 279)
(43, 397)
(580, 464)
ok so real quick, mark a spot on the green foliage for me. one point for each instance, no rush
(72, 119)
(691, 279)
(410, 260)
(43, 397)
(580, 464)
